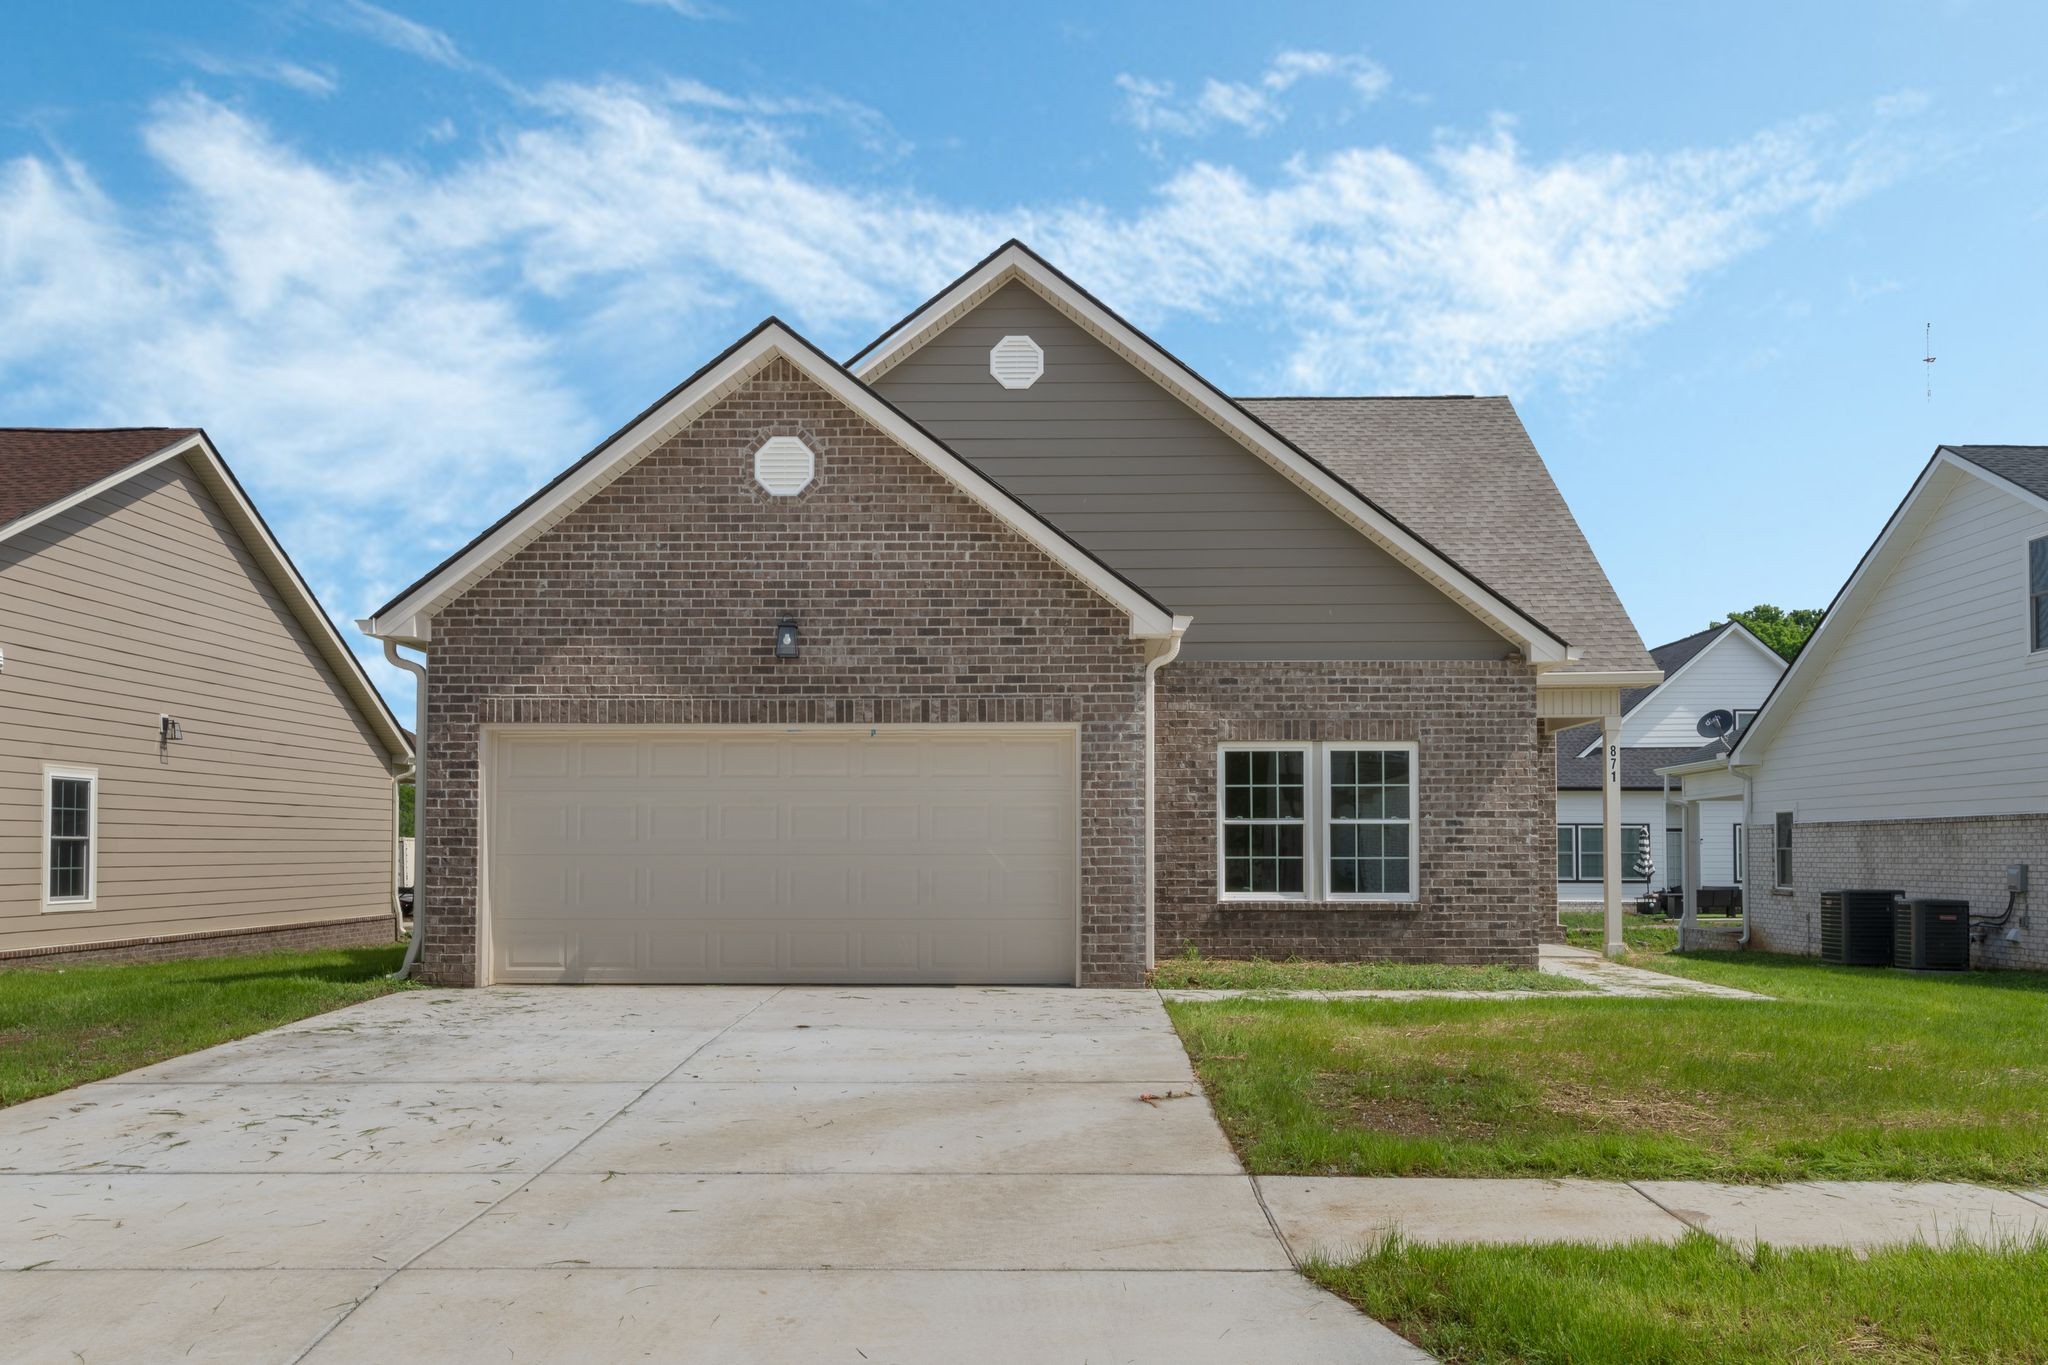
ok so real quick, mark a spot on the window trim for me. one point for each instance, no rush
(1738, 852)
(1578, 869)
(1316, 805)
(52, 774)
(1782, 867)
(2036, 643)
(1414, 821)
(1309, 843)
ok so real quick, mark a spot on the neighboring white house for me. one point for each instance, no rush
(1908, 747)
(1723, 668)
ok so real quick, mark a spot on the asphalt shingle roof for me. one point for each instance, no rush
(40, 465)
(2026, 466)
(1462, 474)
(1638, 766)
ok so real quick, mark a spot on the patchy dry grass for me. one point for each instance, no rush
(65, 1026)
(1704, 1301)
(1848, 1073)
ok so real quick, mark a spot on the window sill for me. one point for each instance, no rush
(1784, 891)
(68, 907)
(1260, 903)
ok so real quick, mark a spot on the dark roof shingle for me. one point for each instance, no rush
(40, 465)
(1462, 474)
(2026, 466)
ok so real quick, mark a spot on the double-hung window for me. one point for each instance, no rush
(70, 837)
(1738, 852)
(1582, 856)
(1782, 846)
(2037, 593)
(1332, 821)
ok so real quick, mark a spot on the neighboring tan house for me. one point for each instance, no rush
(1722, 668)
(194, 762)
(1907, 747)
(1012, 651)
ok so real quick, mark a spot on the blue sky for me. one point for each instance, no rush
(403, 262)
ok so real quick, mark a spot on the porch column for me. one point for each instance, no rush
(1610, 830)
(1689, 914)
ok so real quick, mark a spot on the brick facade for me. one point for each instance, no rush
(1485, 776)
(285, 938)
(655, 601)
(1963, 857)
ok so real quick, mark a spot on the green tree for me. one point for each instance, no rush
(405, 810)
(1784, 631)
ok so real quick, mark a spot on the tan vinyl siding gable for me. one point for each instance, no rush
(275, 808)
(1165, 497)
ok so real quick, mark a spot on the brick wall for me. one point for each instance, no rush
(655, 603)
(1964, 858)
(286, 938)
(1486, 876)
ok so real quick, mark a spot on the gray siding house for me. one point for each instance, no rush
(193, 762)
(1010, 650)
(1905, 748)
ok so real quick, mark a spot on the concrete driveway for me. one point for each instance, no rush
(679, 1173)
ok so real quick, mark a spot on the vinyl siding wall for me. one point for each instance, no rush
(276, 807)
(1732, 673)
(1932, 706)
(1173, 503)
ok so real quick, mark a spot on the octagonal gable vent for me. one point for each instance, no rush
(1016, 362)
(784, 466)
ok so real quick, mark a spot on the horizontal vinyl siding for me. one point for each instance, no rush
(1637, 808)
(1729, 674)
(1931, 705)
(274, 809)
(1164, 497)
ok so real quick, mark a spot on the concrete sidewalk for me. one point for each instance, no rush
(1336, 1217)
(1599, 979)
(693, 1174)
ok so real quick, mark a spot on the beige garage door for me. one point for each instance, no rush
(945, 855)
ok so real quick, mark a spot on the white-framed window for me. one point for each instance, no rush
(1738, 852)
(71, 837)
(1743, 716)
(1581, 855)
(1331, 821)
(1781, 844)
(2037, 594)
(1264, 814)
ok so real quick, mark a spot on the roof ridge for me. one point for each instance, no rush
(87, 431)
(1359, 397)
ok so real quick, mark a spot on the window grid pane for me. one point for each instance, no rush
(1264, 806)
(70, 837)
(1592, 857)
(1567, 853)
(1371, 810)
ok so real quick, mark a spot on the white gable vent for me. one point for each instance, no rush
(784, 466)
(1016, 362)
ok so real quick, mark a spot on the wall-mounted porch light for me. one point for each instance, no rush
(785, 638)
(168, 729)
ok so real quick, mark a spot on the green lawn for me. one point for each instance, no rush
(1642, 933)
(61, 1027)
(1849, 1073)
(1261, 974)
(1703, 1301)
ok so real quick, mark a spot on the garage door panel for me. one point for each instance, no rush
(822, 856)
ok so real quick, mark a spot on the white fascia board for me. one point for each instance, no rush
(92, 490)
(1906, 521)
(409, 620)
(1638, 677)
(1013, 261)
(1949, 458)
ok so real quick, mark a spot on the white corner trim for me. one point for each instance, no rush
(409, 619)
(1014, 262)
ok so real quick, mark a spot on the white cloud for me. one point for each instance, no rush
(688, 9)
(1253, 106)
(392, 353)
(399, 33)
(319, 81)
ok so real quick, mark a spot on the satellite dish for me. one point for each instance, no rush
(1716, 724)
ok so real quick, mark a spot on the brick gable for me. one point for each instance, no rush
(654, 603)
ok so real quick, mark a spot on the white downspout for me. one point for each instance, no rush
(1748, 872)
(398, 781)
(1166, 655)
(419, 809)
